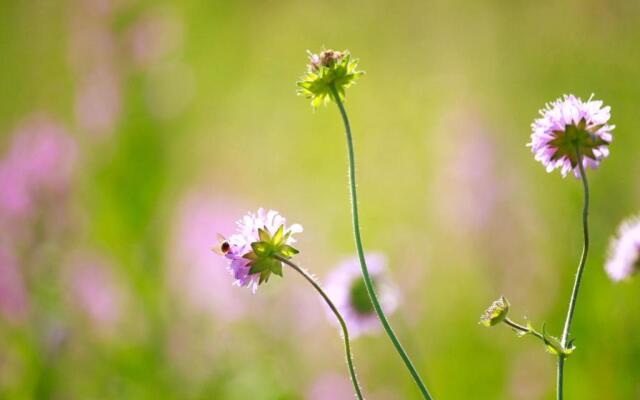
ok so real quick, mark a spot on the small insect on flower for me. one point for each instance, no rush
(496, 312)
(255, 251)
(329, 73)
(624, 251)
(570, 128)
(223, 247)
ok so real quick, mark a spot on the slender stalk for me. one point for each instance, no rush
(363, 263)
(578, 280)
(343, 325)
(522, 328)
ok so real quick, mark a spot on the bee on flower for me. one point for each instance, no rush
(253, 251)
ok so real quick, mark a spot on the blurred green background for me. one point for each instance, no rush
(183, 116)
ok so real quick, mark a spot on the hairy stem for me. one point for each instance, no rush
(363, 264)
(576, 286)
(343, 325)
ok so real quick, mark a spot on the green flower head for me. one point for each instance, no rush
(329, 74)
(496, 313)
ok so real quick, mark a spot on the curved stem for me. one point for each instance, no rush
(363, 264)
(343, 325)
(578, 280)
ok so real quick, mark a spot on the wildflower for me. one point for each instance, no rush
(570, 126)
(624, 251)
(496, 313)
(94, 289)
(262, 238)
(39, 163)
(328, 73)
(345, 286)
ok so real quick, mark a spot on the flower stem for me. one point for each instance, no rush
(523, 329)
(363, 264)
(343, 325)
(578, 280)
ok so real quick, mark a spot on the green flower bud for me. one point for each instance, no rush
(265, 253)
(329, 73)
(496, 313)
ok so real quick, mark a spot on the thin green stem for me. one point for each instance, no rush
(359, 247)
(343, 325)
(576, 286)
(523, 329)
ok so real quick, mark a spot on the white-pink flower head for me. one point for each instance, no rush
(252, 263)
(624, 251)
(346, 288)
(569, 126)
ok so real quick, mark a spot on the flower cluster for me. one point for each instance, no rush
(262, 237)
(624, 251)
(328, 73)
(570, 128)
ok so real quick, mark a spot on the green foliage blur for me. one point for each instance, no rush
(185, 116)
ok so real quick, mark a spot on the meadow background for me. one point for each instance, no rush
(148, 127)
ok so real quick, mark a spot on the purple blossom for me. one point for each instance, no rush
(94, 289)
(240, 243)
(346, 288)
(14, 302)
(568, 123)
(39, 163)
(624, 251)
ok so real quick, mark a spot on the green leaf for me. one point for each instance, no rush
(260, 265)
(288, 251)
(276, 268)
(260, 248)
(264, 277)
(277, 239)
(250, 256)
(264, 235)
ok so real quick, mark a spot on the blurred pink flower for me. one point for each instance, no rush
(93, 54)
(13, 296)
(154, 36)
(198, 274)
(345, 287)
(331, 386)
(39, 163)
(624, 251)
(95, 291)
(98, 101)
(468, 187)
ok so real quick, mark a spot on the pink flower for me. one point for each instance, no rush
(95, 291)
(569, 125)
(346, 288)
(239, 245)
(39, 163)
(13, 295)
(624, 251)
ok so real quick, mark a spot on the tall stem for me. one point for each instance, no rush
(343, 325)
(363, 263)
(578, 280)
